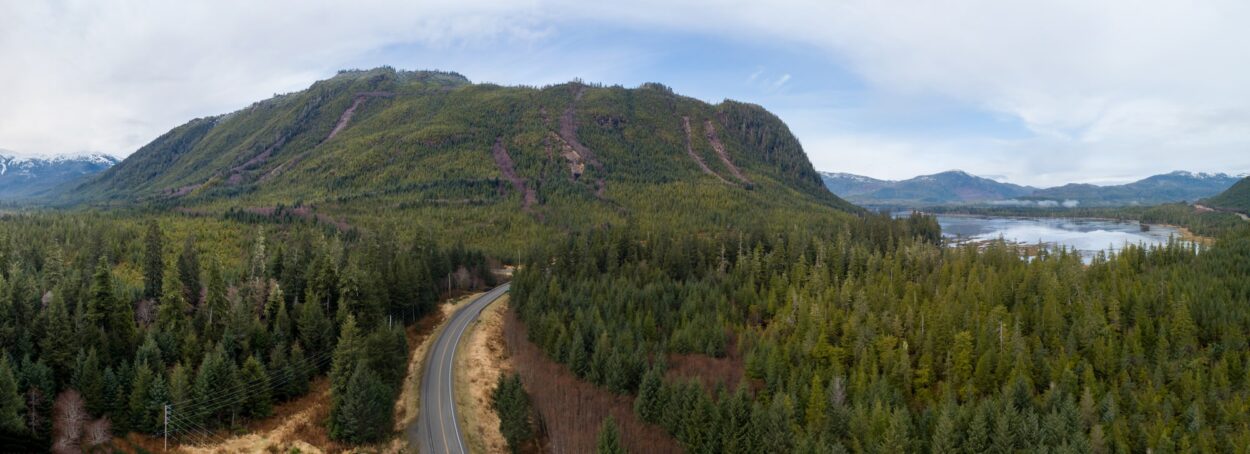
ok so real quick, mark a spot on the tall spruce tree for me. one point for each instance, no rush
(189, 272)
(153, 261)
(512, 404)
(11, 405)
(609, 441)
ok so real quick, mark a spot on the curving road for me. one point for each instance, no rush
(437, 430)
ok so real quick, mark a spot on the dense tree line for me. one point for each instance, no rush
(218, 320)
(876, 339)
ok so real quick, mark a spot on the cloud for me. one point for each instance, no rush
(1100, 90)
(781, 81)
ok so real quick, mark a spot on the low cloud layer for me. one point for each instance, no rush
(1095, 91)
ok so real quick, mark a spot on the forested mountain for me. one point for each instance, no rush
(1179, 186)
(1236, 198)
(533, 160)
(950, 187)
(955, 187)
(26, 178)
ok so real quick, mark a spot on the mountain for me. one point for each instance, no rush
(956, 187)
(849, 184)
(951, 187)
(365, 144)
(1235, 198)
(27, 178)
(1179, 186)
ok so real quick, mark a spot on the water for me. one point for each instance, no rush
(1086, 236)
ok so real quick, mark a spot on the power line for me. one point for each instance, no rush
(232, 398)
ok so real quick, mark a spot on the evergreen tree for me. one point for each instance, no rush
(647, 405)
(348, 356)
(57, 344)
(158, 396)
(189, 272)
(217, 388)
(364, 411)
(945, 438)
(39, 390)
(216, 306)
(89, 381)
(153, 261)
(512, 404)
(11, 405)
(816, 405)
(138, 404)
(257, 402)
(609, 438)
(301, 370)
(97, 314)
(315, 330)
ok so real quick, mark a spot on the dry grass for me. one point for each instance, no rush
(420, 337)
(480, 359)
(297, 424)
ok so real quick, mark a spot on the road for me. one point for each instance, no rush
(1207, 208)
(438, 430)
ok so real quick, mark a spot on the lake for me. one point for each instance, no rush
(1087, 236)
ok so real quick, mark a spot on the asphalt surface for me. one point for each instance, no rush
(438, 429)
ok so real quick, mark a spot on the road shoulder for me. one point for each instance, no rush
(480, 358)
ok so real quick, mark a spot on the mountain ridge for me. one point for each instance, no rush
(952, 186)
(926, 190)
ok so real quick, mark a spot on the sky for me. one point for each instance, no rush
(1037, 93)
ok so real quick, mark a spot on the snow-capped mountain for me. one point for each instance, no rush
(24, 178)
(1178, 186)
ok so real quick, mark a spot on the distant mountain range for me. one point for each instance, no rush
(26, 178)
(958, 187)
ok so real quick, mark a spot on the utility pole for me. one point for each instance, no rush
(166, 408)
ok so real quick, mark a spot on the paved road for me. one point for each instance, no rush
(437, 429)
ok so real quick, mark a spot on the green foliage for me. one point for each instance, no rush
(11, 406)
(153, 261)
(1236, 198)
(416, 152)
(874, 338)
(364, 411)
(609, 441)
(258, 403)
(512, 404)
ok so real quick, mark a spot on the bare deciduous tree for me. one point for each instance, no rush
(96, 432)
(69, 412)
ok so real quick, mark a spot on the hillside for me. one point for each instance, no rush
(1236, 198)
(486, 158)
(1179, 186)
(951, 187)
(27, 178)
